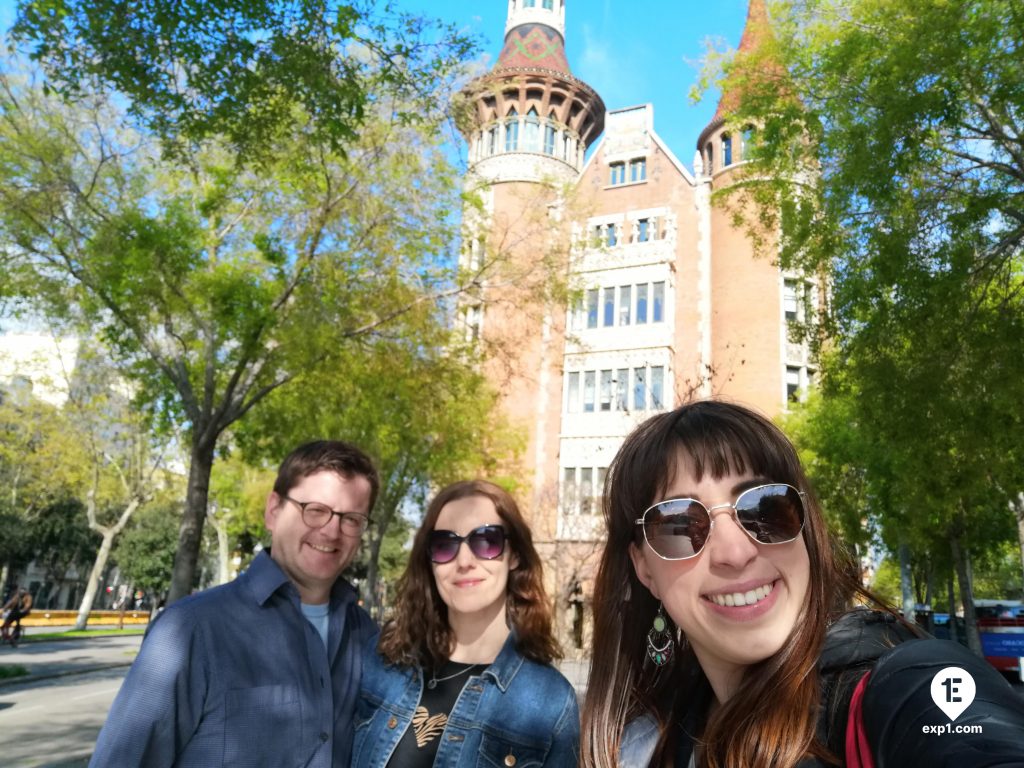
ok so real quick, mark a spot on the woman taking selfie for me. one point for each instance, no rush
(462, 675)
(723, 631)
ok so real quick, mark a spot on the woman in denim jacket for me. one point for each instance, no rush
(462, 676)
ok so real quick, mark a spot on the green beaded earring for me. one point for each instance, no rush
(659, 639)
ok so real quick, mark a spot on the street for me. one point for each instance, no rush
(54, 721)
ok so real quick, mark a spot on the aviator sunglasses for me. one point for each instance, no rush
(486, 543)
(678, 529)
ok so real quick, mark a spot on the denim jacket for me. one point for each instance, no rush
(515, 714)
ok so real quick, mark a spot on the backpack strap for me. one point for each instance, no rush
(858, 751)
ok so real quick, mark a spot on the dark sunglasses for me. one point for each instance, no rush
(677, 529)
(486, 543)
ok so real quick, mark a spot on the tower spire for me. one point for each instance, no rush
(756, 31)
(535, 36)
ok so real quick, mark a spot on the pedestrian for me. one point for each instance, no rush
(462, 676)
(724, 636)
(264, 670)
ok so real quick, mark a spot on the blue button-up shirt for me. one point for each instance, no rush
(236, 676)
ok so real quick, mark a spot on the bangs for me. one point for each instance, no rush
(720, 444)
(716, 438)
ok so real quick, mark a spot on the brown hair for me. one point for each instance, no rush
(773, 722)
(420, 634)
(335, 456)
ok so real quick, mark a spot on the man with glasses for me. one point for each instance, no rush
(265, 670)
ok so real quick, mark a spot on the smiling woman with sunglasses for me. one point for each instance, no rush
(723, 635)
(462, 675)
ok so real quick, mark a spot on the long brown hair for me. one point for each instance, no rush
(772, 724)
(420, 634)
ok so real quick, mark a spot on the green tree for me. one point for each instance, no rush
(889, 156)
(417, 404)
(144, 553)
(217, 285)
(241, 72)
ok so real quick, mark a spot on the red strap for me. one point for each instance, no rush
(858, 751)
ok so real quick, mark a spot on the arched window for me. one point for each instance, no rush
(549, 135)
(726, 149)
(748, 143)
(512, 131)
(531, 139)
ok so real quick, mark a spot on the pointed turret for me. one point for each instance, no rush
(530, 106)
(719, 149)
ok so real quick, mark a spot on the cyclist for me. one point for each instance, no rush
(17, 608)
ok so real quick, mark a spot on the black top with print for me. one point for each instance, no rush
(419, 744)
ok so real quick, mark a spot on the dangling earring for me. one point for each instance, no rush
(659, 639)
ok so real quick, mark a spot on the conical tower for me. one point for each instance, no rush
(529, 124)
(718, 147)
(752, 301)
(531, 119)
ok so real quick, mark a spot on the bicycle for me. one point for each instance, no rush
(11, 633)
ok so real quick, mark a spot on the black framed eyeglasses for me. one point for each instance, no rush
(678, 529)
(486, 543)
(317, 515)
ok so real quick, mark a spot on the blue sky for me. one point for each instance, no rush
(643, 51)
(638, 52)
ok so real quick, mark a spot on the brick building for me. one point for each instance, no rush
(666, 298)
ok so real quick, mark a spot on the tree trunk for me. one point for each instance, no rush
(907, 584)
(961, 561)
(220, 525)
(94, 578)
(190, 535)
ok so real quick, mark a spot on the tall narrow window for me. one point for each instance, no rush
(531, 137)
(726, 149)
(567, 148)
(613, 237)
(606, 390)
(639, 389)
(592, 308)
(625, 302)
(492, 140)
(549, 5)
(588, 391)
(748, 143)
(638, 169)
(622, 389)
(641, 304)
(792, 384)
(609, 307)
(618, 173)
(549, 136)
(789, 299)
(570, 503)
(643, 230)
(586, 490)
(709, 158)
(572, 394)
(657, 387)
(658, 299)
(512, 131)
